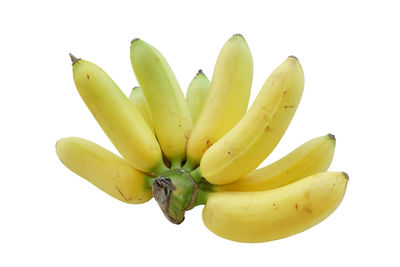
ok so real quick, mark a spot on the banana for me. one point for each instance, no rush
(273, 214)
(315, 156)
(227, 100)
(196, 95)
(254, 137)
(138, 99)
(110, 173)
(118, 117)
(169, 111)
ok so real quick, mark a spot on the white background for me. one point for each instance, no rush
(349, 51)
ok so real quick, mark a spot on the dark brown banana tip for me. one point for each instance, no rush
(331, 136)
(73, 58)
(134, 39)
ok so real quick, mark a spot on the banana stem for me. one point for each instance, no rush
(189, 165)
(175, 164)
(196, 175)
(206, 186)
(148, 182)
(160, 169)
(201, 198)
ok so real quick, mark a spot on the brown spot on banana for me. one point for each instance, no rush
(308, 210)
(208, 144)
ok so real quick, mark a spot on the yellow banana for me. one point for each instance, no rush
(107, 171)
(169, 111)
(254, 137)
(118, 117)
(138, 99)
(273, 214)
(315, 156)
(156, 130)
(227, 100)
(196, 94)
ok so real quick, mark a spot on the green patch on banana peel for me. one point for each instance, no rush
(176, 192)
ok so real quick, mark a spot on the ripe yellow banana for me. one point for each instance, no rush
(152, 130)
(118, 117)
(138, 99)
(196, 95)
(273, 214)
(169, 111)
(254, 137)
(107, 171)
(315, 156)
(227, 100)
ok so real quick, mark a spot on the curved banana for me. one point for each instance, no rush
(196, 94)
(105, 170)
(315, 156)
(227, 100)
(169, 111)
(273, 214)
(138, 99)
(254, 137)
(118, 117)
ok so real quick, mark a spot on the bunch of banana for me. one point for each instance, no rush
(204, 150)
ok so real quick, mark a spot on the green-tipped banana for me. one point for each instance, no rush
(254, 137)
(107, 171)
(227, 100)
(118, 117)
(196, 95)
(314, 156)
(138, 99)
(169, 111)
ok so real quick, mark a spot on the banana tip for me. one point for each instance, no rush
(294, 57)
(134, 40)
(200, 71)
(346, 175)
(238, 35)
(73, 58)
(331, 136)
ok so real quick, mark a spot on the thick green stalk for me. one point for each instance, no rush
(176, 191)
